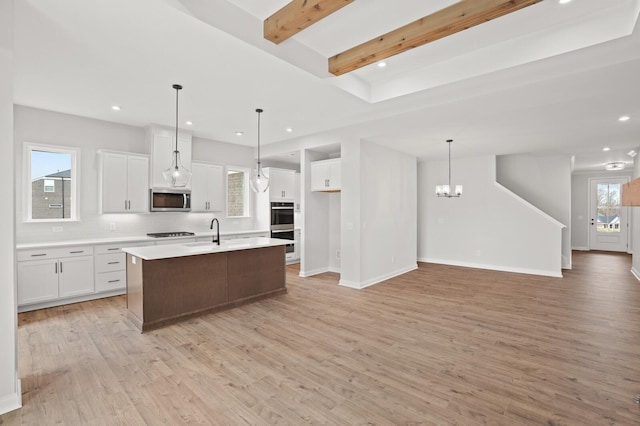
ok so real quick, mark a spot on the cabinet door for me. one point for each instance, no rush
(281, 185)
(199, 200)
(37, 281)
(334, 174)
(318, 176)
(161, 152)
(207, 188)
(114, 183)
(215, 179)
(138, 184)
(163, 145)
(76, 276)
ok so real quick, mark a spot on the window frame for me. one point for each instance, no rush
(247, 191)
(75, 152)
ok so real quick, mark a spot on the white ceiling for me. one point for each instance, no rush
(547, 79)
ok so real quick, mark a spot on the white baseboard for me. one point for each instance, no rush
(378, 279)
(580, 248)
(305, 274)
(12, 401)
(635, 273)
(501, 268)
(334, 269)
(60, 302)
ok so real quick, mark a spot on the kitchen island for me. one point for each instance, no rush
(169, 283)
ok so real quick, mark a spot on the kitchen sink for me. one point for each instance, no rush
(199, 244)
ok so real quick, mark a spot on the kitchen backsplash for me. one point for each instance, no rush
(126, 225)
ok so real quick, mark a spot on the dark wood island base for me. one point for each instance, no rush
(164, 291)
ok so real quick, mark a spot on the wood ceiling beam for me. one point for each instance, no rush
(450, 20)
(298, 15)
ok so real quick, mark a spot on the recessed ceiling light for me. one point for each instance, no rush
(632, 153)
(606, 148)
(382, 64)
(616, 165)
(115, 108)
(189, 123)
(289, 129)
(624, 118)
(239, 133)
(564, 1)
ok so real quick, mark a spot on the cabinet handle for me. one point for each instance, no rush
(113, 263)
(60, 267)
(129, 204)
(113, 249)
(76, 252)
(56, 267)
(39, 254)
(113, 281)
(125, 204)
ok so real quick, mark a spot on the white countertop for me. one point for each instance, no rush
(202, 247)
(127, 239)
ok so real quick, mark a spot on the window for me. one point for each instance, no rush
(51, 182)
(237, 192)
(609, 207)
(49, 185)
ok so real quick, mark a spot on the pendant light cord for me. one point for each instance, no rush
(175, 153)
(449, 143)
(259, 111)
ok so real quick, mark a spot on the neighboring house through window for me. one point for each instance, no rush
(52, 173)
(237, 192)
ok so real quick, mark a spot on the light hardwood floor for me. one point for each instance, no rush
(440, 345)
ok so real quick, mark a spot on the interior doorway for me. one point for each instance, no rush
(608, 221)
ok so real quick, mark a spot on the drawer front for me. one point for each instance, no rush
(111, 262)
(117, 248)
(53, 253)
(109, 281)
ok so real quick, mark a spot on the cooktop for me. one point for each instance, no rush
(170, 234)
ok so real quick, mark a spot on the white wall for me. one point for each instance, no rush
(545, 182)
(48, 127)
(314, 258)
(580, 213)
(10, 395)
(488, 227)
(335, 230)
(386, 214)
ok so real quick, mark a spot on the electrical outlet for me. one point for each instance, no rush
(56, 229)
(478, 253)
(393, 259)
(112, 226)
(337, 254)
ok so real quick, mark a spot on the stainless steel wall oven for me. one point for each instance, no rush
(282, 223)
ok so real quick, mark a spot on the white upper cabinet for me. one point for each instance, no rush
(207, 187)
(281, 184)
(161, 142)
(124, 185)
(326, 175)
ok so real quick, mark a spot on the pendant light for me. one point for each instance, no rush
(259, 182)
(177, 175)
(445, 190)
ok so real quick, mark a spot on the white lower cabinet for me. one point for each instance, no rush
(76, 276)
(57, 274)
(37, 281)
(111, 271)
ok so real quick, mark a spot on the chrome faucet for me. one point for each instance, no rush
(216, 238)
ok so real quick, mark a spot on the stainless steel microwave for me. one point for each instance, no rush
(170, 200)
